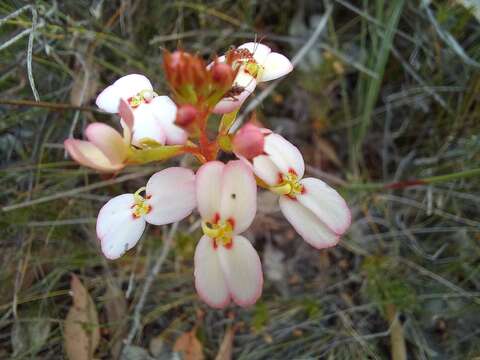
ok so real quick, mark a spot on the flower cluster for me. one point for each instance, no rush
(155, 128)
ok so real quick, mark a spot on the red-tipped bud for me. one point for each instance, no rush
(249, 141)
(186, 114)
(222, 75)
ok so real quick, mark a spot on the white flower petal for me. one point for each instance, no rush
(266, 170)
(259, 51)
(117, 228)
(307, 224)
(242, 270)
(208, 185)
(174, 134)
(276, 65)
(209, 278)
(108, 100)
(164, 109)
(326, 204)
(239, 195)
(108, 140)
(171, 195)
(284, 154)
(131, 85)
(147, 127)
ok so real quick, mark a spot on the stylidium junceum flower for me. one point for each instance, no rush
(154, 116)
(106, 150)
(255, 63)
(315, 210)
(227, 267)
(169, 196)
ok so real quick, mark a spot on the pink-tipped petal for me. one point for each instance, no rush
(108, 99)
(209, 278)
(131, 85)
(326, 204)
(266, 170)
(276, 65)
(171, 195)
(108, 140)
(307, 224)
(146, 127)
(259, 51)
(284, 154)
(239, 195)
(164, 109)
(208, 185)
(126, 113)
(242, 270)
(89, 155)
(117, 228)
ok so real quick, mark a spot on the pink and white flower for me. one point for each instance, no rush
(169, 197)
(106, 150)
(226, 264)
(154, 116)
(315, 210)
(258, 63)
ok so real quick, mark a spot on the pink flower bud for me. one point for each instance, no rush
(186, 114)
(222, 74)
(248, 142)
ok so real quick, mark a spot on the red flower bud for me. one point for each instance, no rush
(249, 141)
(186, 114)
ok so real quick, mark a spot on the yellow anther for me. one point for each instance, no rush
(290, 186)
(221, 232)
(141, 207)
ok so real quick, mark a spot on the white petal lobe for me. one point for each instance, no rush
(284, 154)
(208, 185)
(209, 279)
(243, 271)
(117, 229)
(276, 65)
(239, 195)
(326, 204)
(171, 195)
(307, 224)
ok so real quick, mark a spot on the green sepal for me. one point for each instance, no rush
(227, 122)
(158, 153)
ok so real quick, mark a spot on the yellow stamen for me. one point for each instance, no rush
(141, 207)
(221, 232)
(290, 185)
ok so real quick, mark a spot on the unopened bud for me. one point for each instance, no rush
(222, 74)
(249, 141)
(186, 114)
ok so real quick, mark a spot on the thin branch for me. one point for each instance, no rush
(48, 105)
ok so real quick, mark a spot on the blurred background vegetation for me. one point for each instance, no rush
(385, 107)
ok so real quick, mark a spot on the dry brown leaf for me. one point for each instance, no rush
(116, 307)
(226, 348)
(189, 346)
(81, 332)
